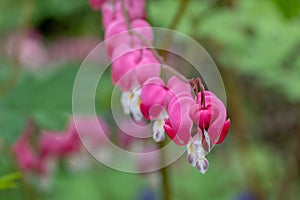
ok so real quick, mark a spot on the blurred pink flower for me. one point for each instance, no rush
(113, 11)
(134, 68)
(87, 127)
(130, 132)
(96, 4)
(135, 8)
(131, 70)
(29, 50)
(27, 159)
(119, 30)
(149, 159)
(58, 144)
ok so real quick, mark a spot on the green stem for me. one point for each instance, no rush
(174, 24)
(164, 172)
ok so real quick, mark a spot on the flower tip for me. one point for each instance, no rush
(224, 132)
(144, 111)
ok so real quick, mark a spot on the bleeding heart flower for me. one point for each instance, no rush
(131, 132)
(196, 154)
(96, 4)
(154, 98)
(209, 114)
(135, 9)
(122, 35)
(58, 144)
(155, 102)
(134, 68)
(88, 129)
(131, 70)
(26, 158)
(179, 125)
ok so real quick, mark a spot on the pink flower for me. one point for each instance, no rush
(113, 11)
(110, 14)
(96, 4)
(157, 99)
(26, 158)
(154, 96)
(134, 68)
(119, 30)
(179, 125)
(209, 114)
(131, 132)
(58, 144)
(135, 8)
(87, 127)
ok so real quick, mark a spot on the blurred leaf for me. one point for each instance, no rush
(289, 8)
(257, 42)
(9, 181)
(47, 100)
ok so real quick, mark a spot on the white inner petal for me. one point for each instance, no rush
(207, 139)
(158, 130)
(196, 154)
(134, 105)
(125, 98)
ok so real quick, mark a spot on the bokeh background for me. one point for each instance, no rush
(256, 46)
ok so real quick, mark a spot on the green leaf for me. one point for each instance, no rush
(289, 8)
(9, 181)
(47, 100)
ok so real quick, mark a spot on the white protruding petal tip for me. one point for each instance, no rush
(125, 98)
(158, 130)
(202, 165)
(134, 106)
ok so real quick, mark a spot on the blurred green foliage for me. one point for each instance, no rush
(8, 181)
(254, 38)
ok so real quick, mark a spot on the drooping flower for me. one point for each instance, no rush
(131, 132)
(97, 4)
(117, 33)
(27, 158)
(209, 114)
(134, 68)
(156, 99)
(58, 144)
(179, 125)
(135, 9)
(87, 127)
(94, 135)
(129, 72)
(196, 154)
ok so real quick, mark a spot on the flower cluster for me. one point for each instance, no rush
(35, 150)
(183, 110)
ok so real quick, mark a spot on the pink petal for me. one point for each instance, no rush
(96, 4)
(176, 85)
(122, 71)
(147, 67)
(153, 96)
(218, 119)
(179, 119)
(224, 131)
(119, 30)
